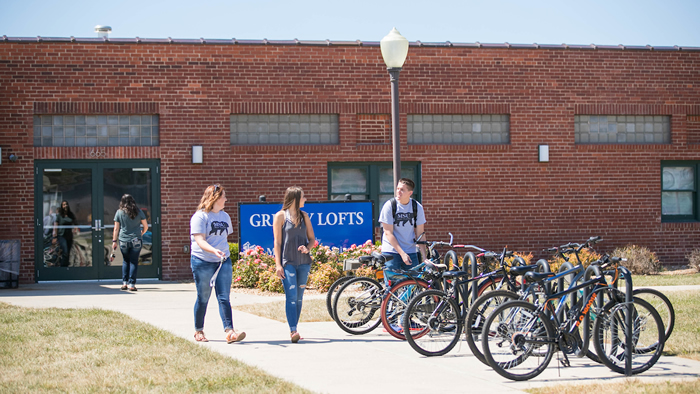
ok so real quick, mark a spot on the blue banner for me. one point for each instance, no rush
(335, 223)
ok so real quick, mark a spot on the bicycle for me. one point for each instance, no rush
(436, 317)
(358, 300)
(523, 337)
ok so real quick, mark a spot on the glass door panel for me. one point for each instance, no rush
(90, 192)
(65, 234)
(138, 183)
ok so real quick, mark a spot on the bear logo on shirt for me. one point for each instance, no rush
(403, 218)
(218, 228)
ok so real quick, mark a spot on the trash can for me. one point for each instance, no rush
(9, 264)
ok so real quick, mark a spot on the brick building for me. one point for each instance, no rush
(90, 119)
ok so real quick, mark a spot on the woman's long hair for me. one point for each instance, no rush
(128, 205)
(65, 212)
(292, 200)
(211, 194)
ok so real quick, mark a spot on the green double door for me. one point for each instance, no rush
(92, 190)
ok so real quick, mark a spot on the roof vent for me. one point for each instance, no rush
(102, 31)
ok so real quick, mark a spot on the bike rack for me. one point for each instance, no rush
(542, 267)
(471, 257)
(627, 275)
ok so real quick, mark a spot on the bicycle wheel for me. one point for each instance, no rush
(520, 341)
(478, 312)
(395, 303)
(333, 291)
(662, 305)
(611, 336)
(495, 282)
(357, 304)
(432, 322)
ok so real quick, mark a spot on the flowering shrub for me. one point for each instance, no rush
(256, 269)
(322, 276)
(587, 256)
(246, 272)
(269, 281)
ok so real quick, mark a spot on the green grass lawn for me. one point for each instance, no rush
(95, 351)
(665, 280)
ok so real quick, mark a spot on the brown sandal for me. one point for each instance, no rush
(232, 337)
(199, 336)
(295, 337)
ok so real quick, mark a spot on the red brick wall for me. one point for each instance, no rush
(485, 195)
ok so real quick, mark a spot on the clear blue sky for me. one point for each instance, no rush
(603, 22)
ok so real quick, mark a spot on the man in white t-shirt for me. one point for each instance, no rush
(401, 227)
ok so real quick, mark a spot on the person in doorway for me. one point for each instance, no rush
(63, 232)
(294, 238)
(211, 262)
(129, 226)
(402, 220)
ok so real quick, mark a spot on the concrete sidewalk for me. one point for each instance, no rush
(328, 360)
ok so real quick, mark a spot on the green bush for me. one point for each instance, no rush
(323, 275)
(694, 259)
(233, 248)
(269, 281)
(640, 260)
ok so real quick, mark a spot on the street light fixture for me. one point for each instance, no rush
(394, 51)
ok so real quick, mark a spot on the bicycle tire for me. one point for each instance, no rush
(333, 291)
(662, 305)
(647, 335)
(478, 312)
(529, 338)
(491, 283)
(432, 321)
(395, 302)
(356, 307)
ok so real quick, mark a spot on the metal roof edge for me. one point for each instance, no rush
(418, 43)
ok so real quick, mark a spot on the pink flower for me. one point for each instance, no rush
(263, 265)
(315, 243)
(237, 279)
(353, 246)
(257, 261)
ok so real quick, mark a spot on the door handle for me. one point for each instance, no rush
(98, 225)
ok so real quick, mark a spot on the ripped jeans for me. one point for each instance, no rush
(294, 283)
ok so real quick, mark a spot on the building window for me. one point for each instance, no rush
(679, 191)
(284, 129)
(622, 129)
(458, 129)
(369, 181)
(96, 130)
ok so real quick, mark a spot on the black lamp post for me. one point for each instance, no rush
(394, 51)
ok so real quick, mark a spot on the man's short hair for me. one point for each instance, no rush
(409, 183)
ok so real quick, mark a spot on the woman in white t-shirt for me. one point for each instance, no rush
(211, 262)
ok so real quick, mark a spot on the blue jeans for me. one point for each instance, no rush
(396, 264)
(294, 283)
(130, 266)
(203, 271)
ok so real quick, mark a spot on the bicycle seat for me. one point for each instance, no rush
(521, 270)
(365, 259)
(454, 274)
(378, 257)
(537, 276)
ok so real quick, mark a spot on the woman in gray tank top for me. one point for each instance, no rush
(294, 238)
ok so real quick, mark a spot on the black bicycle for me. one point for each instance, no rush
(523, 337)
